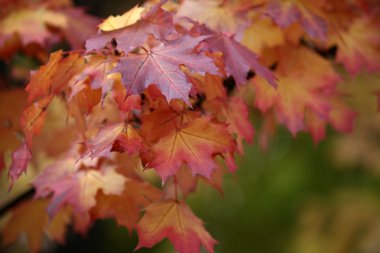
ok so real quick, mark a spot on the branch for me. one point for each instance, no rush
(13, 203)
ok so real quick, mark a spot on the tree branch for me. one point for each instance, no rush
(13, 203)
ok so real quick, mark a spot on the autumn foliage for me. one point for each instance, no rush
(155, 100)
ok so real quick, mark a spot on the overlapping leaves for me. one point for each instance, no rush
(162, 87)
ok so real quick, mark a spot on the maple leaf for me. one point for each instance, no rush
(194, 144)
(55, 75)
(20, 160)
(127, 138)
(120, 21)
(33, 118)
(306, 83)
(161, 66)
(35, 224)
(40, 82)
(159, 124)
(308, 13)
(175, 220)
(155, 21)
(78, 187)
(238, 59)
(126, 207)
(351, 52)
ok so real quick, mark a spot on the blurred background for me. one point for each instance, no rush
(296, 197)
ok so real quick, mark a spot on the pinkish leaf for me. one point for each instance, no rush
(76, 183)
(125, 136)
(239, 59)
(161, 66)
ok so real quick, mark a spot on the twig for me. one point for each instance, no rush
(24, 196)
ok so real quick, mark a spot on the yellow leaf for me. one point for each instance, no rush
(120, 21)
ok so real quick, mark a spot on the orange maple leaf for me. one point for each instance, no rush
(33, 118)
(174, 220)
(195, 144)
(55, 75)
(306, 85)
